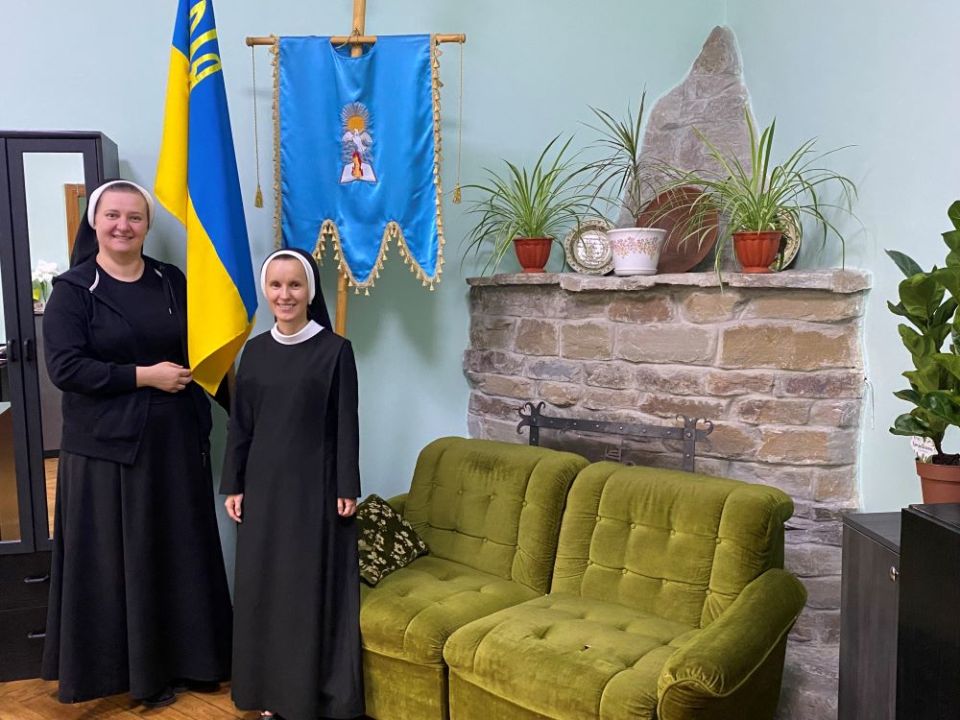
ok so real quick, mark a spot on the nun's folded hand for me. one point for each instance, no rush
(346, 506)
(166, 376)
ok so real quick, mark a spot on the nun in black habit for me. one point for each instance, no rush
(292, 478)
(138, 590)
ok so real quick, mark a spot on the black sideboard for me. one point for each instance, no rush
(928, 652)
(868, 605)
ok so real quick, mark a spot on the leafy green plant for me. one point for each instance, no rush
(540, 202)
(929, 300)
(764, 195)
(620, 174)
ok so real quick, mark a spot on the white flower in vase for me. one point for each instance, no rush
(43, 275)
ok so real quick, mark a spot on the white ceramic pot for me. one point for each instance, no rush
(636, 251)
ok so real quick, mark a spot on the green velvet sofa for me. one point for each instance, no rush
(490, 513)
(663, 596)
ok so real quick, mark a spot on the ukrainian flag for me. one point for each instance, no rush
(197, 181)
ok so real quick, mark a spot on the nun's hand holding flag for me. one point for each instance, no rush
(197, 182)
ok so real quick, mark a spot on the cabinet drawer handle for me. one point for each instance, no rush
(35, 579)
(36, 635)
(894, 573)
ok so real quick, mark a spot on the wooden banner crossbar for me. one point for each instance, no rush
(359, 39)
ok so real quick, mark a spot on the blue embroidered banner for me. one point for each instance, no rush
(360, 151)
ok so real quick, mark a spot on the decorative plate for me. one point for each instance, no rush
(671, 211)
(791, 246)
(588, 249)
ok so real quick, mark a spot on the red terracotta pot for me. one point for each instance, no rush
(533, 253)
(939, 483)
(755, 250)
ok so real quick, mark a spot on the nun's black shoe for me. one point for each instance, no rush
(182, 685)
(159, 699)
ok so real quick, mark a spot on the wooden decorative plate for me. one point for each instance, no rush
(671, 210)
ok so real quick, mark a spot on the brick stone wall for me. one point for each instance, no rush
(774, 361)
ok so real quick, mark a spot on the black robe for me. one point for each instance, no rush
(138, 589)
(292, 450)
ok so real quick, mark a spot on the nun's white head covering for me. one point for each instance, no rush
(85, 244)
(95, 198)
(308, 270)
(317, 309)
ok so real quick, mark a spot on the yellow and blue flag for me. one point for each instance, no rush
(197, 182)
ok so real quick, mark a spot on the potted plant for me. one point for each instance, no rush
(42, 280)
(621, 175)
(758, 203)
(526, 210)
(928, 300)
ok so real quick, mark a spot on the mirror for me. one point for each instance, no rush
(56, 200)
(9, 511)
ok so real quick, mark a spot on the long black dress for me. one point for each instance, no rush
(138, 592)
(292, 450)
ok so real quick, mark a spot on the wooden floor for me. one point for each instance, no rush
(37, 700)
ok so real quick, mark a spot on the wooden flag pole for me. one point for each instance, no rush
(357, 40)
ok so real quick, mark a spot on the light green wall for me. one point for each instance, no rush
(531, 69)
(881, 76)
(877, 76)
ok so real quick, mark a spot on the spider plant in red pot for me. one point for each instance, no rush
(759, 202)
(526, 209)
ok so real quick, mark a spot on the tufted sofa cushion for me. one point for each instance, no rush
(570, 657)
(492, 506)
(677, 545)
(413, 612)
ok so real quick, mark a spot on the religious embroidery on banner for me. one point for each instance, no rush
(357, 144)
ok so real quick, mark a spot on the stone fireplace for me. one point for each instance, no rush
(774, 361)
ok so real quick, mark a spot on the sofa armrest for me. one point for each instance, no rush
(734, 666)
(397, 502)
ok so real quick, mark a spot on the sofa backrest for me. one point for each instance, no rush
(493, 506)
(675, 544)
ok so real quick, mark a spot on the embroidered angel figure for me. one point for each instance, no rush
(357, 144)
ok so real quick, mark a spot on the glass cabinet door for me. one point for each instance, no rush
(48, 179)
(16, 527)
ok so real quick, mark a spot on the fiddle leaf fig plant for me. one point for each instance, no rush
(929, 301)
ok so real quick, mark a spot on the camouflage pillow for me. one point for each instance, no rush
(386, 542)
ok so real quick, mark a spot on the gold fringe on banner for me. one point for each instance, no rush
(329, 229)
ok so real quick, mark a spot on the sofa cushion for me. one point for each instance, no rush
(492, 506)
(566, 656)
(670, 543)
(385, 541)
(411, 613)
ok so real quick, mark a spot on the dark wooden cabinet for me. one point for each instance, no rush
(44, 181)
(928, 664)
(869, 609)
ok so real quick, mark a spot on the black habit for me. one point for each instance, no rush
(138, 593)
(292, 450)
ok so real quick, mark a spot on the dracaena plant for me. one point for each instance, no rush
(928, 300)
(516, 202)
(621, 174)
